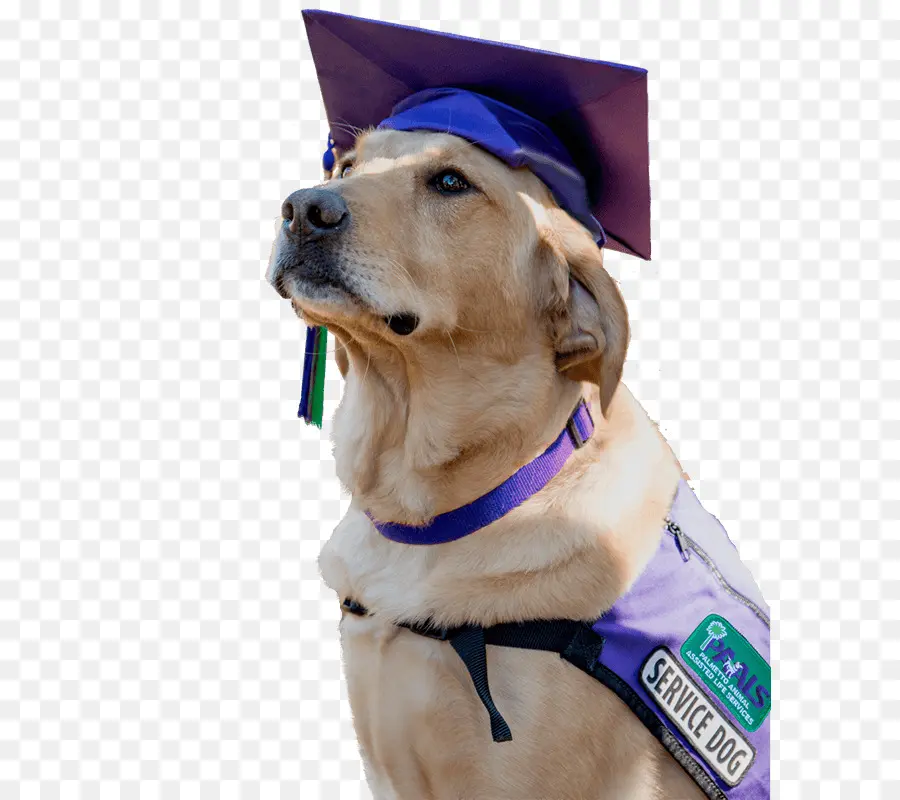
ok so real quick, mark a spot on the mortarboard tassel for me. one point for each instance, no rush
(312, 393)
(328, 156)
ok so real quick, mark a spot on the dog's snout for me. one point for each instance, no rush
(313, 213)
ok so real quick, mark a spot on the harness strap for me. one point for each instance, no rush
(469, 645)
(575, 641)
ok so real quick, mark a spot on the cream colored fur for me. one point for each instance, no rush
(506, 346)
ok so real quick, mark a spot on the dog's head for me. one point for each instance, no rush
(424, 247)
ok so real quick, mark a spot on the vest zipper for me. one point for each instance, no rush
(684, 543)
(676, 531)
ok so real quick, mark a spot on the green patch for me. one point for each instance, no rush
(730, 666)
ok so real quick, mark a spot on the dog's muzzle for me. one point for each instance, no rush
(311, 218)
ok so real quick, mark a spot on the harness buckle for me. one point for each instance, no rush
(572, 428)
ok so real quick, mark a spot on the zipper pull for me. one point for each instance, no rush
(679, 540)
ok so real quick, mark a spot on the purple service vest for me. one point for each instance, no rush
(691, 640)
(686, 648)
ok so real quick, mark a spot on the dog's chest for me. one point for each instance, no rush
(404, 689)
(418, 717)
(423, 734)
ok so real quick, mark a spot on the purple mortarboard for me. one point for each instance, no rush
(580, 125)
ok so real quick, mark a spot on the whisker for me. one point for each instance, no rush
(409, 285)
(458, 362)
(366, 372)
(492, 330)
(354, 130)
(402, 269)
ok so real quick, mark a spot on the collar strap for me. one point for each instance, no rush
(498, 502)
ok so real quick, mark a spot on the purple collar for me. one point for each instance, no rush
(498, 502)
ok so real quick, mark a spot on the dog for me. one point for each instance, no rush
(471, 315)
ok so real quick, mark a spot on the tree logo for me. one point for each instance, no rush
(716, 630)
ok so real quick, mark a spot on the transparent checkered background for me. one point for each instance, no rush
(163, 629)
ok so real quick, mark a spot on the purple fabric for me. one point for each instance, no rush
(669, 600)
(597, 109)
(514, 137)
(488, 508)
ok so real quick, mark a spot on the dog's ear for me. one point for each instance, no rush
(591, 323)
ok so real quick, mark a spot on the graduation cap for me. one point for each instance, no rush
(580, 125)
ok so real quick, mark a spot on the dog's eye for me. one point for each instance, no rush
(449, 182)
(346, 170)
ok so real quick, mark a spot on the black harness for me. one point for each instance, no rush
(577, 643)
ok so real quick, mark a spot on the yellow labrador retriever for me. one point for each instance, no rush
(471, 314)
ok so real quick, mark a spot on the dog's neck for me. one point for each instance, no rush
(412, 441)
(568, 552)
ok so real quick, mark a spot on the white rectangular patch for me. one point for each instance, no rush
(695, 715)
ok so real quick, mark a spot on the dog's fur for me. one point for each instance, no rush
(518, 319)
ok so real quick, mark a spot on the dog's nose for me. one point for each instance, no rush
(314, 213)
